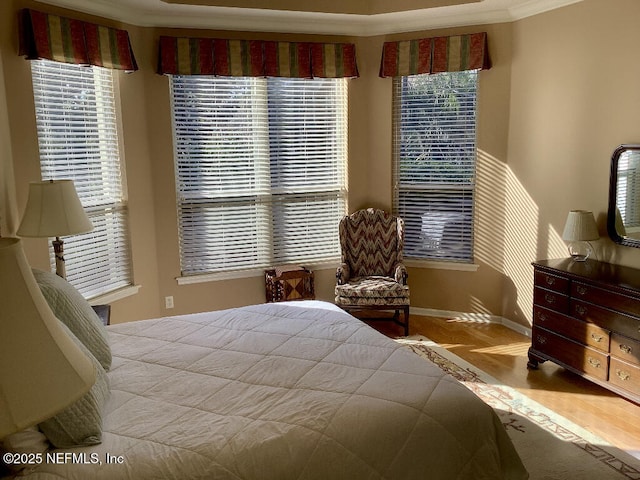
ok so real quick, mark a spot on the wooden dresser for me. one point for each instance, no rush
(586, 318)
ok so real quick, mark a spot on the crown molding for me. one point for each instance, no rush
(444, 17)
(535, 7)
(154, 13)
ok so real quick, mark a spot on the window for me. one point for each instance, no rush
(260, 170)
(434, 163)
(78, 140)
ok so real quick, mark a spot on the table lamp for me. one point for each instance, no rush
(54, 210)
(42, 370)
(579, 230)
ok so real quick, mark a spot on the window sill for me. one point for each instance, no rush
(259, 272)
(115, 295)
(239, 274)
(461, 267)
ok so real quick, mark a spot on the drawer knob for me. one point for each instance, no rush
(594, 362)
(597, 338)
(622, 375)
(626, 349)
(549, 298)
(580, 310)
(550, 280)
(541, 339)
(581, 290)
(542, 317)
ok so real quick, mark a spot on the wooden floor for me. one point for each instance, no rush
(502, 353)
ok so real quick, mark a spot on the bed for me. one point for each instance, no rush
(292, 390)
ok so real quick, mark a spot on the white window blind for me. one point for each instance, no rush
(260, 170)
(434, 163)
(628, 190)
(78, 140)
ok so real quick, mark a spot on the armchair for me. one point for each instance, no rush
(372, 275)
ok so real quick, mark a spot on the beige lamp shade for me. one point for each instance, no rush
(580, 226)
(53, 210)
(42, 370)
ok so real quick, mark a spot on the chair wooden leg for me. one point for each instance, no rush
(396, 314)
(406, 321)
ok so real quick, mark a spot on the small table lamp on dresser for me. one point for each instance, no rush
(579, 230)
(54, 210)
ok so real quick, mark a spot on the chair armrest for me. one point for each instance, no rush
(401, 274)
(343, 274)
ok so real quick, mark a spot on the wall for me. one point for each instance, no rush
(559, 98)
(575, 97)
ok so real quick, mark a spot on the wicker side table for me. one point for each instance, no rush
(289, 282)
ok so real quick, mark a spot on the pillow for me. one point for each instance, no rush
(70, 307)
(80, 423)
(29, 440)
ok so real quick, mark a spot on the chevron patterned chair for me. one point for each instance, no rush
(371, 275)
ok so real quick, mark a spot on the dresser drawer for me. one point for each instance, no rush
(572, 328)
(613, 300)
(584, 359)
(551, 282)
(613, 321)
(551, 300)
(625, 375)
(625, 348)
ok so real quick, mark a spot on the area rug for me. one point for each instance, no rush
(550, 446)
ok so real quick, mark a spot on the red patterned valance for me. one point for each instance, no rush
(67, 40)
(435, 55)
(255, 58)
(333, 60)
(287, 59)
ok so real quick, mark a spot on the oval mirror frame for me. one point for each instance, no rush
(615, 235)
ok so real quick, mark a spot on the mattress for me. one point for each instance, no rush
(298, 390)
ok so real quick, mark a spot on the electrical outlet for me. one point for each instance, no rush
(168, 302)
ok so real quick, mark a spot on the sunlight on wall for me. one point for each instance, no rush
(509, 234)
(556, 248)
(478, 306)
(490, 214)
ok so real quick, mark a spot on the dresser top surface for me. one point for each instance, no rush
(602, 273)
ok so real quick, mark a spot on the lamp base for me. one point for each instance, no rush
(58, 248)
(580, 251)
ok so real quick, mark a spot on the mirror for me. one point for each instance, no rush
(623, 217)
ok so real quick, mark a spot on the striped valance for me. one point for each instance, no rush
(67, 40)
(435, 55)
(255, 58)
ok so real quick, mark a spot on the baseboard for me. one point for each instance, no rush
(473, 318)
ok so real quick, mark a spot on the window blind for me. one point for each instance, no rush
(434, 163)
(260, 170)
(308, 151)
(78, 140)
(628, 190)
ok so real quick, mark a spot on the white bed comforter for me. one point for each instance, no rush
(284, 391)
